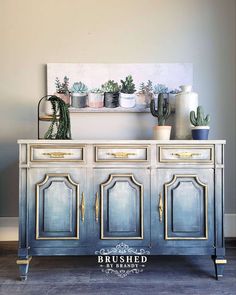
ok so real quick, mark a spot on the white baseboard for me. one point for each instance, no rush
(9, 227)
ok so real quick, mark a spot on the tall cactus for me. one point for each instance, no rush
(200, 119)
(163, 110)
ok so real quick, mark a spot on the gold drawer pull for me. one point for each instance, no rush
(96, 207)
(160, 207)
(185, 155)
(57, 155)
(121, 155)
(82, 207)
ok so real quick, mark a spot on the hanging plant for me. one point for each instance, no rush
(59, 127)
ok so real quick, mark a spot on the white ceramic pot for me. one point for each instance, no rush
(185, 102)
(161, 132)
(127, 100)
(96, 100)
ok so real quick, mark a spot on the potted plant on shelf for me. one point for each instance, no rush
(79, 95)
(96, 98)
(144, 95)
(201, 123)
(111, 94)
(127, 96)
(62, 89)
(161, 131)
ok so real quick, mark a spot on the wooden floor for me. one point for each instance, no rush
(81, 275)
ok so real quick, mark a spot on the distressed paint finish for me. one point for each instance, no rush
(127, 208)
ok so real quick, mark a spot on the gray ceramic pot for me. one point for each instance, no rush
(78, 100)
(111, 100)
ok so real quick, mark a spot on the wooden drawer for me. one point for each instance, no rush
(121, 153)
(48, 153)
(186, 154)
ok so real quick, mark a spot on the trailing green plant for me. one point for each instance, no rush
(160, 88)
(62, 87)
(111, 86)
(163, 110)
(128, 85)
(79, 87)
(146, 89)
(96, 90)
(60, 125)
(199, 119)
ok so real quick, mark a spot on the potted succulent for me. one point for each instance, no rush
(62, 89)
(79, 95)
(145, 94)
(111, 94)
(160, 131)
(127, 96)
(96, 98)
(201, 123)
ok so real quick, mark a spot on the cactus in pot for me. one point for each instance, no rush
(127, 96)
(111, 94)
(162, 112)
(96, 98)
(79, 95)
(201, 128)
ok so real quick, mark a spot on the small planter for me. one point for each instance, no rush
(79, 100)
(127, 100)
(111, 100)
(161, 132)
(96, 100)
(64, 97)
(143, 100)
(200, 132)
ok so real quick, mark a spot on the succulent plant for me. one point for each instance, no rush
(199, 119)
(160, 88)
(62, 87)
(146, 88)
(96, 90)
(111, 86)
(163, 110)
(128, 86)
(79, 87)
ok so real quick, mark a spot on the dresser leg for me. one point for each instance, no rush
(23, 267)
(219, 266)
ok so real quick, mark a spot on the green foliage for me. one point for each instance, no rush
(163, 110)
(96, 90)
(111, 86)
(62, 87)
(199, 119)
(62, 125)
(146, 88)
(79, 87)
(128, 86)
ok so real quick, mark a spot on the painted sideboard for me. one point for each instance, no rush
(79, 196)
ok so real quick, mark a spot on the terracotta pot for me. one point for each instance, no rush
(161, 132)
(64, 97)
(96, 100)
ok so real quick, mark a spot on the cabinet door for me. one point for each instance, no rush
(183, 207)
(56, 206)
(122, 206)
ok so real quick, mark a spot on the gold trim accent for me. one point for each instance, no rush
(48, 175)
(185, 155)
(145, 147)
(160, 207)
(23, 261)
(187, 160)
(61, 147)
(58, 155)
(205, 186)
(220, 261)
(82, 208)
(96, 207)
(141, 207)
(122, 155)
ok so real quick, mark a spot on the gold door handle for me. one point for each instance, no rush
(185, 155)
(160, 207)
(96, 207)
(57, 155)
(82, 207)
(121, 155)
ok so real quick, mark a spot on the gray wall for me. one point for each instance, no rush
(33, 33)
